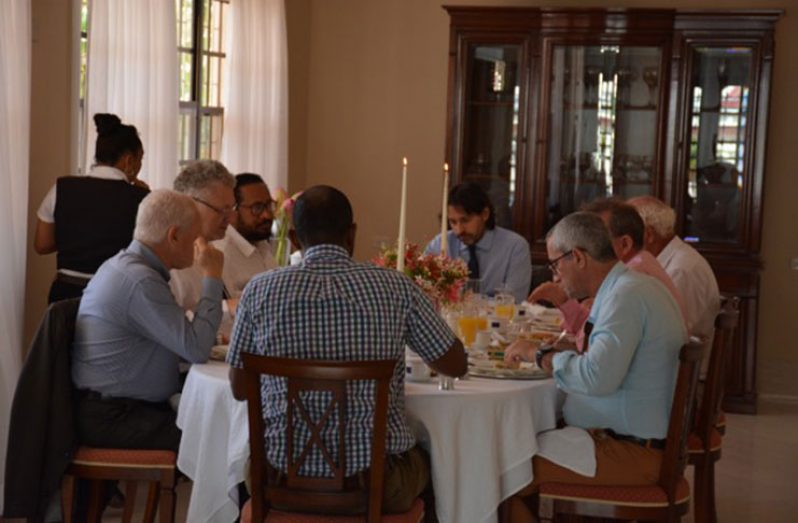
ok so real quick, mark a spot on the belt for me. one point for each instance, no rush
(651, 443)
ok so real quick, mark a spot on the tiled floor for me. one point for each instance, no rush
(760, 455)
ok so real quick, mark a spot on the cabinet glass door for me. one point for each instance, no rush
(603, 124)
(491, 124)
(720, 91)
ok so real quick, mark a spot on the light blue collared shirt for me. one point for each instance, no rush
(503, 258)
(130, 332)
(625, 380)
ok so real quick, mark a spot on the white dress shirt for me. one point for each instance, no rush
(243, 260)
(696, 283)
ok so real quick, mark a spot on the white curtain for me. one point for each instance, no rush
(256, 92)
(133, 72)
(15, 74)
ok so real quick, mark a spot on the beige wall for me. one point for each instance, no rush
(368, 85)
(51, 134)
(378, 72)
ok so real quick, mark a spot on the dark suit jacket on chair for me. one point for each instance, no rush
(42, 435)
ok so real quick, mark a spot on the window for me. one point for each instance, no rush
(200, 38)
(201, 54)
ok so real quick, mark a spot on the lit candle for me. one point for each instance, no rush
(400, 252)
(444, 207)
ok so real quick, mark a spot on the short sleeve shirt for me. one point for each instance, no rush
(332, 308)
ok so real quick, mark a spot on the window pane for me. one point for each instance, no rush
(186, 76)
(185, 23)
(185, 137)
(214, 100)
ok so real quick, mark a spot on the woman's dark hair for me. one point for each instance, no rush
(114, 139)
(473, 199)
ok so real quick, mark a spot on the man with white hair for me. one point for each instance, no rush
(620, 391)
(210, 185)
(131, 333)
(689, 271)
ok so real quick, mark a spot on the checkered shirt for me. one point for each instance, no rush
(333, 308)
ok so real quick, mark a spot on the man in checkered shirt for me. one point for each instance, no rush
(333, 308)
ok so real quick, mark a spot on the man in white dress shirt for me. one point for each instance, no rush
(210, 185)
(246, 247)
(689, 271)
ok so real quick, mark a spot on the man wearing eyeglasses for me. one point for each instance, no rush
(619, 392)
(246, 246)
(210, 185)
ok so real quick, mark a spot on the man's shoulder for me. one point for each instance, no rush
(687, 259)
(510, 237)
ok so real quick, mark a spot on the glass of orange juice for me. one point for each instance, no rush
(504, 306)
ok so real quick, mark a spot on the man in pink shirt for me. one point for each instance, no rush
(627, 231)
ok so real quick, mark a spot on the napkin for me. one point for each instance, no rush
(569, 447)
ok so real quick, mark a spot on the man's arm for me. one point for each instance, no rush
(613, 342)
(454, 361)
(237, 383)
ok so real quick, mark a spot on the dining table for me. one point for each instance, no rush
(481, 437)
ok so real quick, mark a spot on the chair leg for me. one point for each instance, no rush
(152, 502)
(95, 501)
(700, 490)
(130, 501)
(167, 508)
(67, 497)
(712, 516)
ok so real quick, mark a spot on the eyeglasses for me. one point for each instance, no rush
(224, 211)
(257, 208)
(552, 265)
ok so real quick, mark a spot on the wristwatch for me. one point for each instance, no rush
(541, 353)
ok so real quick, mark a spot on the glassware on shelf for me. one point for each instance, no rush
(651, 78)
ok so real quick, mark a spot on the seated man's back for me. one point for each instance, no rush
(130, 332)
(332, 308)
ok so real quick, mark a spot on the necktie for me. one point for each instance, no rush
(473, 263)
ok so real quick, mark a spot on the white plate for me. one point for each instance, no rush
(523, 373)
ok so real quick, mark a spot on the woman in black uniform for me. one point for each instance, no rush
(88, 219)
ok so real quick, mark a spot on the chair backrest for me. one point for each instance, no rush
(725, 325)
(318, 494)
(674, 459)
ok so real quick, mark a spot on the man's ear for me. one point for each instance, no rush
(627, 245)
(485, 214)
(648, 235)
(172, 234)
(580, 258)
(351, 234)
(294, 239)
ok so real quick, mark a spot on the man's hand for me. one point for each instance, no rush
(550, 292)
(546, 362)
(209, 258)
(520, 350)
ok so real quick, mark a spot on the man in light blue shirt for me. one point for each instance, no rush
(496, 256)
(130, 332)
(621, 388)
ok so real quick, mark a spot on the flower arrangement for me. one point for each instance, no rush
(440, 277)
(283, 218)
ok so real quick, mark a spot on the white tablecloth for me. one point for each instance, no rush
(481, 438)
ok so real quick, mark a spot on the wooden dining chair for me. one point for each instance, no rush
(56, 450)
(326, 494)
(156, 467)
(669, 499)
(705, 441)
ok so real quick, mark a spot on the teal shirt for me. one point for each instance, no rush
(625, 380)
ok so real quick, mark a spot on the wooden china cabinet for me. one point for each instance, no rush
(550, 108)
